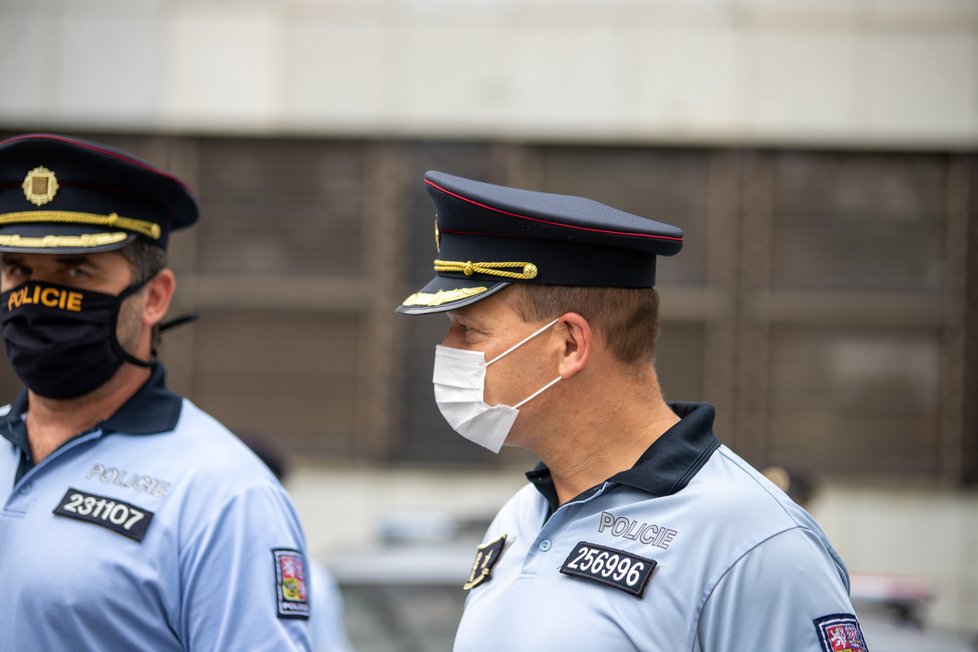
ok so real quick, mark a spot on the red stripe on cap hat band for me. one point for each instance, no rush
(99, 150)
(537, 219)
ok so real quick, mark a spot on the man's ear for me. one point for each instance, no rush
(577, 344)
(159, 291)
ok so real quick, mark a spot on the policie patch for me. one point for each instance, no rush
(116, 515)
(291, 588)
(622, 570)
(486, 557)
(840, 633)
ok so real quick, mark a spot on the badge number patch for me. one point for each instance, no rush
(116, 515)
(291, 588)
(616, 568)
(485, 558)
(840, 633)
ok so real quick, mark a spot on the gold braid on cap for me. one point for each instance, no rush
(529, 270)
(142, 227)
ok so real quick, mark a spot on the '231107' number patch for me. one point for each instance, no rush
(128, 520)
(616, 568)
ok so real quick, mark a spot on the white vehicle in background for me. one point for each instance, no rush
(892, 610)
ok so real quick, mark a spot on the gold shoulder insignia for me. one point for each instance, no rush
(486, 557)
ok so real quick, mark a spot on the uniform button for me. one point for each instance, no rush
(26, 489)
(545, 545)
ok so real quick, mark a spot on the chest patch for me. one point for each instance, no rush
(486, 557)
(622, 570)
(290, 584)
(840, 633)
(116, 515)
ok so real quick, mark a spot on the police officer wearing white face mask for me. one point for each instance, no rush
(638, 530)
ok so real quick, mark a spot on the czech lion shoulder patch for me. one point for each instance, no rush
(840, 633)
(291, 586)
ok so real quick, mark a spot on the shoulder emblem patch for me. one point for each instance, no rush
(290, 584)
(840, 633)
(622, 570)
(486, 557)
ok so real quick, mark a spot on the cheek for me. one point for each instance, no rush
(130, 318)
(502, 386)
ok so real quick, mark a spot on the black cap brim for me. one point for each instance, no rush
(442, 294)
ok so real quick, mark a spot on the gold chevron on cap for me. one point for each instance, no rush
(441, 296)
(84, 240)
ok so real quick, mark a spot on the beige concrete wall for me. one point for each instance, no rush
(876, 72)
(912, 532)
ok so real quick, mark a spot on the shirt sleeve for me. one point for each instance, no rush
(244, 577)
(784, 594)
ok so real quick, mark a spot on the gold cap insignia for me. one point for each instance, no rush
(40, 186)
(437, 238)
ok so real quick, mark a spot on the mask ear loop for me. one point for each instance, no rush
(516, 346)
(538, 392)
(523, 341)
(122, 296)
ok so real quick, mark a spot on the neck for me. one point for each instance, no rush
(52, 422)
(605, 433)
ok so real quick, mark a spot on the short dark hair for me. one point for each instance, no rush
(145, 259)
(627, 318)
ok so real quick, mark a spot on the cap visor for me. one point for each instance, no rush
(443, 294)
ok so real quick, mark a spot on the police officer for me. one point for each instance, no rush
(638, 530)
(131, 519)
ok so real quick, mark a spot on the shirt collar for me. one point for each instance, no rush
(151, 410)
(666, 466)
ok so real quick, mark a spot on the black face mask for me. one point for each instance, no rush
(61, 341)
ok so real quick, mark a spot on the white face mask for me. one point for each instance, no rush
(460, 382)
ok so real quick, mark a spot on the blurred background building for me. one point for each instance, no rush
(821, 155)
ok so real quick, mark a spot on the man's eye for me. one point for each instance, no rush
(77, 272)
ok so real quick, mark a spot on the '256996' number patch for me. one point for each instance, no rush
(616, 568)
(116, 515)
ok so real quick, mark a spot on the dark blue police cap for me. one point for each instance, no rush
(490, 236)
(65, 195)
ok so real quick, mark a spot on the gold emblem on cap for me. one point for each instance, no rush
(40, 186)
(441, 296)
(437, 238)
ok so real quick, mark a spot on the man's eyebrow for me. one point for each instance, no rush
(77, 260)
(9, 258)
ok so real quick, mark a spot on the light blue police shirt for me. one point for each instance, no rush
(691, 549)
(156, 530)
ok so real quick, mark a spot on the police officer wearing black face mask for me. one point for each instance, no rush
(96, 446)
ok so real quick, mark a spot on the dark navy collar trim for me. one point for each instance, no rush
(667, 466)
(151, 410)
